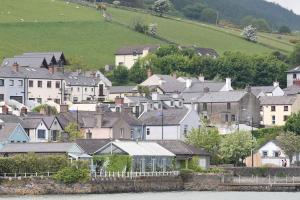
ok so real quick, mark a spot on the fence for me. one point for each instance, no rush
(131, 175)
(267, 180)
(25, 175)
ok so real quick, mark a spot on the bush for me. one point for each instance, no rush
(114, 163)
(185, 172)
(70, 175)
(31, 163)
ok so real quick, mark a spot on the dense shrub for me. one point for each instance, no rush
(31, 163)
(70, 175)
(266, 134)
(114, 163)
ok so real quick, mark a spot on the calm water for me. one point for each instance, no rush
(169, 196)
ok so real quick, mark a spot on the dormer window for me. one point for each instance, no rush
(294, 76)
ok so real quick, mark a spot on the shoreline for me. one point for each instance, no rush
(188, 183)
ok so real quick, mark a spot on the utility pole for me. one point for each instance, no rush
(252, 156)
(162, 121)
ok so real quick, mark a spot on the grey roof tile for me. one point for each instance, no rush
(38, 148)
(122, 89)
(6, 130)
(277, 100)
(90, 146)
(222, 97)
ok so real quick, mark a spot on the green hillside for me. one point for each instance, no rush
(49, 25)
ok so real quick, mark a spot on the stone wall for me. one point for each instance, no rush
(111, 185)
(260, 171)
(204, 182)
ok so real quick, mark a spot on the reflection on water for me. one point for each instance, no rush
(169, 196)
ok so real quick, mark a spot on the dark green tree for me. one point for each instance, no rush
(120, 75)
(293, 123)
(137, 73)
(193, 11)
(295, 56)
(209, 15)
(284, 29)
(162, 6)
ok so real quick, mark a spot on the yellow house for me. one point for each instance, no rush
(275, 110)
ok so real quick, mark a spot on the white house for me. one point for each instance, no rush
(169, 124)
(128, 55)
(273, 90)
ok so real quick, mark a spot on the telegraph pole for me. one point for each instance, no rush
(162, 121)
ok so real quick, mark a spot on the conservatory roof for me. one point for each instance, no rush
(135, 149)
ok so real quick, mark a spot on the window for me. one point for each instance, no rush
(226, 118)
(75, 99)
(88, 98)
(118, 109)
(286, 108)
(1, 82)
(101, 90)
(11, 83)
(92, 89)
(228, 106)
(39, 100)
(294, 76)
(1, 97)
(204, 106)
(148, 131)
(48, 84)
(172, 103)
(89, 135)
(273, 119)
(276, 154)
(57, 101)
(40, 84)
(30, 83)
(85, 89)
(20, 82)
(41, 134)
(180, 103)
(233, 118)
(57, 84)
(71, 89)
(261, 108)
(285, 118)
(185, 130)
(159, 106)
(122, 133)
(273, 108)
(78, 89)
(132, 134)
(265, 153)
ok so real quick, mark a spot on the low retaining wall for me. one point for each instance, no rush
(111, 185)
(261, 171)
(260, 187)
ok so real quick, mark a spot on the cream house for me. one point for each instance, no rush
(128, 55)
(275, 110)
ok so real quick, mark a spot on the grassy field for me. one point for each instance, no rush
(53, 25)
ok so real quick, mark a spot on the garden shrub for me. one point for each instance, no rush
(70, 175)
(114, 163)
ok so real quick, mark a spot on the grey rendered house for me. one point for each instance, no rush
(230, 111)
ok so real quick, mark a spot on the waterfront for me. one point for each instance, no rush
(168, 196)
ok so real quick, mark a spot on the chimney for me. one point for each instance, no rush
(188, 83)
(15, 67)
(201, 78)
(149, 72)
(206, 90)
(248, 88)
(99, 116)
(119, 101)
(23, 111)
(228, 83)
(51, 69)
(276, 84)
(174, 75)
(154, 96)
(161, 81)
(4, 110)
(64, 108)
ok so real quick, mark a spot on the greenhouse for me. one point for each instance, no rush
(146, 156)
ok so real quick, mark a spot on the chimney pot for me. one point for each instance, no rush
(149, 72)
(15, 67)
(4, 110)
(64, 108)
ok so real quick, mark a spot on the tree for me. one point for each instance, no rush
(120, 75)
(250, 33)
(295, 56)
(73, 131)
(290, 144)
(284, 30)
(193, 11)
(162, 6)
(207, 138)
(209, 15)
(261, 25)
(237, 146)
(137, 73)
(293, 123)
(152, 29)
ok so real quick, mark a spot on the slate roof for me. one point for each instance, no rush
(171, 116)
(199, 87)
(191, 97)
(122, 89)
(172, 87)
(91, 145)
(256, 90)
(294, 70)
(6, 130)
(25, 62)
(277, 100)
(38, 148)
(50, 59)
(180, 148)
(58, 54)
(31, 123)
(222, 97)
(292, 90)
(207, 52)
(11, 119)
(28, 72)
(130, 50)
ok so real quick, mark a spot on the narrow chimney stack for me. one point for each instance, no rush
(149, 72)
(276, 84)
(119, 101)
(188, 83)
(23, 111)
(15, 67)
(51, 69)
(99, 116)
(4, 110)
(64, 108)
(201, 78)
